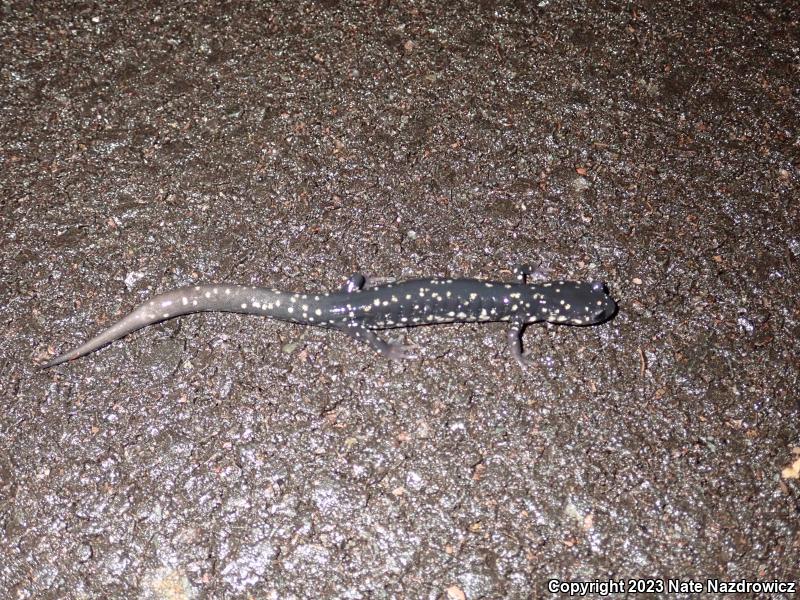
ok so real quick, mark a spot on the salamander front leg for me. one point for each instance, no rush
(523, 271)
(515, 343)
(393, 349)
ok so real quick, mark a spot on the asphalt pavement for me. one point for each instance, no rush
(650, 145)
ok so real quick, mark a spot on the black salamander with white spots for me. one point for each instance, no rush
(359, 310)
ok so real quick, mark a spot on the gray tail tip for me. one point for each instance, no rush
(51, 363)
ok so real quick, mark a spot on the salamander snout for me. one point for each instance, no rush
(603, 305)
(573, 302)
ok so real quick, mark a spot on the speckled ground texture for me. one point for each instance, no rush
(652, 145)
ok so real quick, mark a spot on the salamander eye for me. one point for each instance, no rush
(599, 286)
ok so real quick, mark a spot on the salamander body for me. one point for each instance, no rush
(360, 310)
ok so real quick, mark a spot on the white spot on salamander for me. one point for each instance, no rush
(244, 304)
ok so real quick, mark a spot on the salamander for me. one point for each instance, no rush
(360, 309)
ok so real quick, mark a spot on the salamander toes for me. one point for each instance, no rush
(526, 273)
(523, 359)
(397, 350)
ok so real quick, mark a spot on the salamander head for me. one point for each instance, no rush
(572, 302)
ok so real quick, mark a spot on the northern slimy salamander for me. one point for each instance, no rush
(359, 310)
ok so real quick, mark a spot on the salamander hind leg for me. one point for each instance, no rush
(393, 349)
(355, 282)
(358, 281)
(515, 343)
